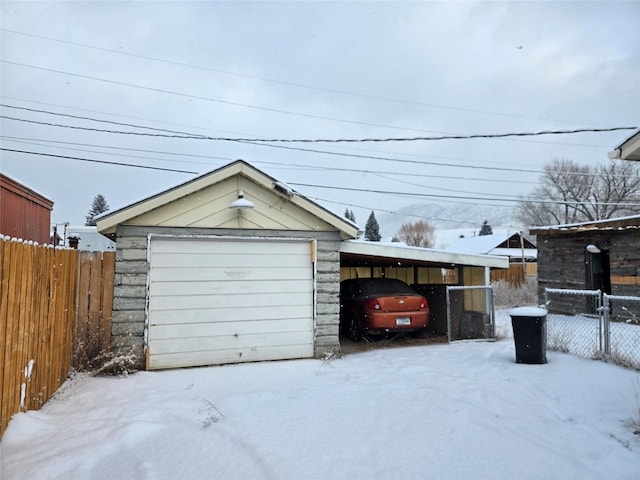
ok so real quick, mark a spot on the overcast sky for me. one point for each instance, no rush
(313, 70)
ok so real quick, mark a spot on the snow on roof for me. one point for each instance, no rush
(481, 244)
(631, 221)
(400, 250)
(488, 245)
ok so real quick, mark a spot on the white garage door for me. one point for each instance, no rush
(215, 301)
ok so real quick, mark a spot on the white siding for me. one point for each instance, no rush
(223, 300)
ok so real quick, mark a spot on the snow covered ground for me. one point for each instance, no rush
(464, 410)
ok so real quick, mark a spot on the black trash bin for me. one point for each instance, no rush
(530, 334)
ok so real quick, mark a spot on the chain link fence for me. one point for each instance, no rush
(573, 322)
(591, 324)
(622, 329)
(470, 313)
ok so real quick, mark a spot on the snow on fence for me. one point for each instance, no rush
(591, 324)
(37, 296)
(48, 297)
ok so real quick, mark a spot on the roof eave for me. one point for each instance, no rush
(109, 221)
(423, 254)
(627, 150)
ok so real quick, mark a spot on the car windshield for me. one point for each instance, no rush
(386, 286)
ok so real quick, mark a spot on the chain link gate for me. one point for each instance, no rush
(592, 324)
(470, 313)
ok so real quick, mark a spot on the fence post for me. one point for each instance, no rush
(606, 327)
(448, 316)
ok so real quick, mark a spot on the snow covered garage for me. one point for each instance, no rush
(232, 266)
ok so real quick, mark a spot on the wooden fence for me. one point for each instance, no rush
(48, 298)
(94, 301)
(515, 274)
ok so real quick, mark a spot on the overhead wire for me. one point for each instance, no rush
(408, 215)
(324, 140)
(412, 194)
(209, 99)
(288, 165)
(384, 192)
(282, 82)
(263, 142)
(321, 117)
(68, 157)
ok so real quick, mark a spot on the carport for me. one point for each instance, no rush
(428, 271)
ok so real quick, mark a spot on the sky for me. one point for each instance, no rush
(112, 84)
(444, 411)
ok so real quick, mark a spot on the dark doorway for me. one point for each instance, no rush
(598, 269)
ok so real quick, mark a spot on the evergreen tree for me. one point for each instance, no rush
(372, 229)
(349, 215)
(98, 206)
(485, 229)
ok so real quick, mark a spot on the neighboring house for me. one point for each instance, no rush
(601, 255)
(87, 238)
(520, 250)
(627, 150)
(24, 213)
(234, 266)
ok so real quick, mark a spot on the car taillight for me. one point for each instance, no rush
(423, 303)
(372, 304)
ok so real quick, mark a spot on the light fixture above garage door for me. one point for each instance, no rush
(241, 203)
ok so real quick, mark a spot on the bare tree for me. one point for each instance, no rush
(418, 234)
(571, 193)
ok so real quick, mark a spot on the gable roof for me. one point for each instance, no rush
(620, 223)
(204, 202)
(627, 150)
(496, 244)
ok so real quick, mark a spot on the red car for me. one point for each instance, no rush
(380, 305)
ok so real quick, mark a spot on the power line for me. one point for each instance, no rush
(209, 99)
(286, 147)
(321, 140)
(410, 194)
(384, 192)
(69, 107)
(198, 127)
(41, 142)
(67, 157)
(281, 82)
(92, 119)
(263, 142)
(31, 141)
(435, 138)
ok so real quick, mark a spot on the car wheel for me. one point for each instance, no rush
(355, 333)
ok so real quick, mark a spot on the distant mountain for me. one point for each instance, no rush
(450, 221)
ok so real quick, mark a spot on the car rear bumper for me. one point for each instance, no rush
(396, 321)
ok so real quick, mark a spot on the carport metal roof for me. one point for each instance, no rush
(354, 252)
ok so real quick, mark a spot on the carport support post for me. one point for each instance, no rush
(488, 301)
(448, 314)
